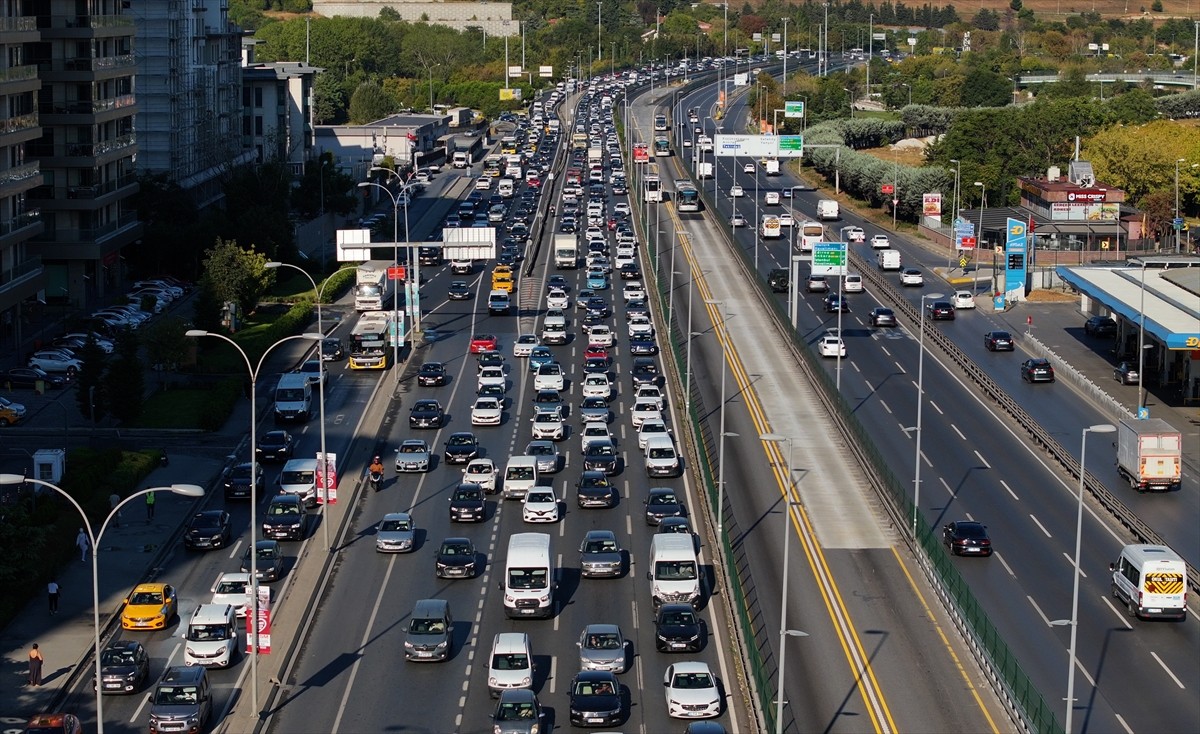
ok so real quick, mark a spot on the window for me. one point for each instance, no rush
(258, 97)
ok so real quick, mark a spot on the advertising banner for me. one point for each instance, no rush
(545, 72)
(510, 94)
(258, 621)
(327, 469)
(1061, 211)
(931, 205)
(1015, 259)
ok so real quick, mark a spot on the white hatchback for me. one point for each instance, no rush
(597, 386)
(963, 299)
(541, 505)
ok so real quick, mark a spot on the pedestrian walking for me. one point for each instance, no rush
(114, 500)
(35, 666)
(84, 544)
(149, 507)
(52, 594)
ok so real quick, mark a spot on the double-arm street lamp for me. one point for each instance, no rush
(920, 403)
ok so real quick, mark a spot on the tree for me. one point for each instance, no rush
(165, 343)
(369, 103)
(124, 384)
(1015, 5)
(88, 393)
(237, 275)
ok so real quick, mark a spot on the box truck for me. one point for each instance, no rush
(566, 252)
(1149, 454)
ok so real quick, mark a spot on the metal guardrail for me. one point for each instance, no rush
(1064, 369)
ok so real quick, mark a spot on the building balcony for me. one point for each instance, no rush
(25, 221)
(81, 193)
(83, 22)
(19, 123)
(20, 178)
(88, 64)
(21, 274)
(18, 73)
(87, 106)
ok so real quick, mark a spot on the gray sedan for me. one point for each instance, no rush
(602, 647)
(395, 533)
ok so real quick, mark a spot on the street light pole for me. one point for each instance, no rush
(954, 216)
(788, 504)
(920, 404)
(721, 443)
(979, 241)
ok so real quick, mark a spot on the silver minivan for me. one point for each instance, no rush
(182, 700)
(511, 663)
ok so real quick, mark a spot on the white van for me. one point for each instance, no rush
(299, 477)
(528, 582)
(293, 397)
(460, 159)
(513, 171)
(1151, 580)
(520, 476)
(888, 259)
(511, 663)
(506, 188)
(662, 460)
(674, 570)
(211, 639)
(853, 283)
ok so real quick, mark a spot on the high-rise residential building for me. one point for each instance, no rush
(277, 109)
(189, 93)
(21, 273)
(86, 107)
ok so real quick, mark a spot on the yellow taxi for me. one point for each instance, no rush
(149, 607)
(502, 278)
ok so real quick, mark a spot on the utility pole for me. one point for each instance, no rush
(599, 43)
(785, 55)
(870, 52)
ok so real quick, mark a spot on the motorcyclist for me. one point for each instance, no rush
(376, 471)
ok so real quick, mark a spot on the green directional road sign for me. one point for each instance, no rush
(829, 258)
(791, 146)
(793, 109)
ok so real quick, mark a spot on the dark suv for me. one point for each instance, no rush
(778, 280)
(238, 483)
(286, 518)
(940, 311)
(1037, 370)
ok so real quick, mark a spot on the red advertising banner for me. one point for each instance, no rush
(327, 468)
(258, 622)
(396, 272)
(887, 189)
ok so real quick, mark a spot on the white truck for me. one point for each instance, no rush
(888, 259)
(370, 285)
(1149, 454)
(827, 209)
(771, 166)
(566, 252)
(595, 157)
(460, 159)
(704, 170)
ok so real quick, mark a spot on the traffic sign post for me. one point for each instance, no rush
(887, 189)
(829, 258)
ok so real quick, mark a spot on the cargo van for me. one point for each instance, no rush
(430, 631)
(674, 570)
(511, 663)
(293, 397)
(211, 639)
(662, 460)
(460, 159)
(299, 477)
(181, 695)
(888, 259)
(520, 476)
(1151, 580)
(505, 188)
(528, 582)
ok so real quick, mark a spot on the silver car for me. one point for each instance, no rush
(546, 454)
(395, 533)
(602, 647)
(413, 455)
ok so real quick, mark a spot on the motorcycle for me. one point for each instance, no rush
(376, 478)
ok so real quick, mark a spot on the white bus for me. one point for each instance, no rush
(770, 229)
(660, 123)
(370, 341)
(810, 234)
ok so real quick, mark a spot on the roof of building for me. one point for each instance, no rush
(1171, 296)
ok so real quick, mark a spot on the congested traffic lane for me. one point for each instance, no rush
(354, 691)
(1008, 487)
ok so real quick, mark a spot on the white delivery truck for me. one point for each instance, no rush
(704, 170)
(1151, 580)
(595, 157)
(371, 285)
(1149, 454)
(528, 582)
(674, 570)
(888, 259)
(827, 209)
(566, 252)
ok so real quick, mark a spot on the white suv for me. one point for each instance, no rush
(55, 363)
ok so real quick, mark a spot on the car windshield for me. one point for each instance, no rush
(461, 441)
(514, 711)
(680, 619)
(663, 499)
(175, 695)
(146, 598)
(284, 508)
(454, 549)
(600, 546)
(202, 632)
(540, 498)
(604, 641)
(231, 587)
(267, 554)
(510, 662)
(427, 626)
(412, 449)
(593, 688)
(692, 681)
(118, 657)
(467, 494)
(395, 525)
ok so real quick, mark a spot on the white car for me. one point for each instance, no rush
(55, 362)
(881, 242)
(634, 289)
(691, 691)
(233, 588)
(650, 392)
(737, 220)
(644, 410)
(687, 142)
(621, 208)
(772, 197)
(748, 168)
(963, 299)
(482, 472)
(623, 259)
(593, 431)
(484, 183)
(549, 425)
(558, 299)
(852, 283)
(491, 376)
(541, 505)
(736, 191)
(549, 377)
(593, 233)
(855, 234)
(787, 220)
(597, 386)
(640, 327)
(486, 412)
(600, 334)
(525, 344)
(650, 428)
(831, 346)
(911, 276)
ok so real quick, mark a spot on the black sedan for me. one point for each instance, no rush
(662, 502)
(1100, 326)
(602, 456)
(643, 347)
(427, 413)
(455, 559)
(1037, 370)
(238, 483)
(998, 341)
(882, 317)
(467, 503)
(275, 446)
(677, 629)
(30, 377)
(332, 349)
(940, 311)
(459, 291)
(967, 538)
(208, 530)
(432, 374)
(268, 561)
(596, 699)
(461, 447)
(594, 490)
(835, 303)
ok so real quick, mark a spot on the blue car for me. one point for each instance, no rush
(539, 356)
(597, 280)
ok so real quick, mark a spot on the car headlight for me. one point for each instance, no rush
(544, 599)
(193, 720)
(526, 681)
(408, 645)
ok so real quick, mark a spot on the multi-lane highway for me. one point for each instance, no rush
(975, 466)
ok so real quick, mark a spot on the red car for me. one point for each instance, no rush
(595, 350)
(612, 224)
(483, 343)
(534, 182)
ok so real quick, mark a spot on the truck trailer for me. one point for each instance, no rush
(1149, 454)
(371, 285)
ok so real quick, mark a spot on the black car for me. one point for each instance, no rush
(594, 490)
(1100, 326)
(488, 358)
(459, 291)
(643, 347)
(461, 447)
(467, 503)
(268, 562)
(275, 446)
(124, 667)
(208, 530)
(238, 483)
(455, 559)
(602, 456)
(557, 282)
(1037, 370)
(677, 629)
(595, 366)
(645, 372)
(426, 413)
(662, 502)
(599, 305)
(940, 310)
(967, 538)
(286, 518)
(998, 341)
(835, 303)
(596, 699)
(630, 271)
(778, 279)
(432, 374)
(881, 316)
(30, 377)
(332, 349)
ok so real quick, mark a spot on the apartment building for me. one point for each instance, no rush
(276, 109)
